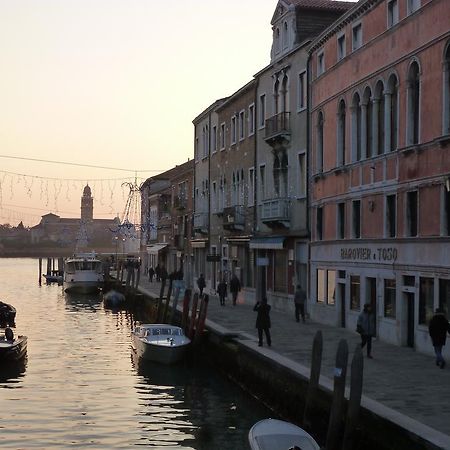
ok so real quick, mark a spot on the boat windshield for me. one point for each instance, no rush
(165, 331)
(73, 266)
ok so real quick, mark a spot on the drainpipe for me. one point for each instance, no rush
(308, 163)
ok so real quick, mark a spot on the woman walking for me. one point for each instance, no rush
(263, 321)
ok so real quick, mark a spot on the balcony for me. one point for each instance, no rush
(201, 222)
(278, 129)
(276, 212)
(234, 218)
(179, 202)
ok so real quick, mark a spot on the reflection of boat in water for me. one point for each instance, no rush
(160, 342)
(83, 273)
(114, 299)
(12, 348)
(12, 370)
(279, 435)
(7, 315)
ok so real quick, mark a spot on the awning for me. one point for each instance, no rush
(238, 239)
(155, 248)
(267, 243)
(198, 244)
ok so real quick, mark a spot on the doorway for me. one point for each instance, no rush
(410, 319)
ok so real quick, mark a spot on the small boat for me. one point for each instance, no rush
(83, 273)
(7, 315)
(12, 348)
(52, 278)
(160, 342)
(273, 434)
(113, 298)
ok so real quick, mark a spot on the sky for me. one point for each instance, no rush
(114, 84)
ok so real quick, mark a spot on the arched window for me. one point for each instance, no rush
(319, 153)
(341, 143)
(446, 92)
(285, 35)
(235, 184)
(284, 94)
(391, 114)
(413, 117)
(276, 96)
(367, 124)
(378, 119)
(356, 128)
(284, 174)
(276, 175)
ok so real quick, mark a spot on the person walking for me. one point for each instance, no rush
(158, 272)
(151, 274)
(201, 283)
(366, 328)
(222, 291)
(299, 301)
(438, 329)
(263, 321)
(235, 287)
(163, 275)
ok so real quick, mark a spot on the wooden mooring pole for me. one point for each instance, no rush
(40, 271)
(186, 304)
(160, 301)
(193, 316)
(201, 319)
(166, 307)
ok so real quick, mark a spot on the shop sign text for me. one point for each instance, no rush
(368, 254)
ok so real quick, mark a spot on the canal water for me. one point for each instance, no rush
(82, 387)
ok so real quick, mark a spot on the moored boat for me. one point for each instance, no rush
(83, 273)
(12, 348)
(276, 434)
(113, 298)
(7, 315)
(160, 342)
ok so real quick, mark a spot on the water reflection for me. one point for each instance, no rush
(77, 302)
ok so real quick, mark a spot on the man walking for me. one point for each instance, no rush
(201, 283)
(235, 287)
(263, 321)
(222, 291)
(299, 301)
(438, 328)
(366, 327)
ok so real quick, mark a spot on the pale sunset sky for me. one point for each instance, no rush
(113, 83)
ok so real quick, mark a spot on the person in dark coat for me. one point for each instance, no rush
(222, 291)
(163, 275)
(263, 321)
(235, 287)
(151, 274)
(158, 272)
(366, 328)
(438, 329)
(201, 283)
(299, 301)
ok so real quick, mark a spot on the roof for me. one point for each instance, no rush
(329, 5)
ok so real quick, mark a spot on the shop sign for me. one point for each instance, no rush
(383, 254)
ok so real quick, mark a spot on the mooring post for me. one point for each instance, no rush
(335, 424)
(160, 301)
(193, 315)
(201, 319)
(354, 403)
(49, 266)
(185, 316)
(313, 386)
(169, 293)
(40, 271)
(176, 295)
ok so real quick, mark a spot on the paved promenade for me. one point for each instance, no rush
(399, 383)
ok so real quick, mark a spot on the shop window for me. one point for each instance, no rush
(331, 287)
(409, 280)
(321, 285)
(355, 293)
(280, 271)
(426, 300)
(444, 296)
(389, 299)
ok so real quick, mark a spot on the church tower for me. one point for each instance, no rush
(87, 205)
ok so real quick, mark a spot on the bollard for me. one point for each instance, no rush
(335, 423)
(186, 303)
(354, 403)
(193, 316)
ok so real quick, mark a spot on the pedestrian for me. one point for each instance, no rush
(158, 272)
(366, 328)
(299, 301)
(222, 291)
(235, 287)
(163, 275)
(201, 283)
(263, 321)
(438, 329)
(151, 274)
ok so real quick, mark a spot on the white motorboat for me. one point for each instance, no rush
(273, 434)
(160, 342)
(83, 273)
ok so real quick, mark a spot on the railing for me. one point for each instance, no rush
(233, 216)
(276, 209)
(201, 221)
(180, 202)
(277, 125)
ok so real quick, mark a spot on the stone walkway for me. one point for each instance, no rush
(405, 385)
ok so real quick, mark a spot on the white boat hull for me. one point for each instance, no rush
(272, 434)
(83, 287)
(83, 274)
(158, 353)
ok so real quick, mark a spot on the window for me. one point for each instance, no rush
(367, 118)
(241, 125)
(392, 13)
(196, 149)
(214, 139)
(411, 213)
(413, 127)
(391, 105)
(355, 293)
(356, 215)
(222, 136)
(391, 216)
(233, 130)
(446, 90)
(285, 35)
(301, 191)
(321, 286)
(426, 300)
(326, 284)
(262, 110)
(214, 197)
(262, 182)
(280, 271)
(320, 63)
(319, 153)
(341, 220)
(251, 187)
(446, 210)
(356, 36)
(331, 287)
(378, 120)
(413, 5)
(389, 299)
(341, 47)
(356, 128)
(251, 120)
(341, 142)
(302, 91)
(319, 223)
(444, 296)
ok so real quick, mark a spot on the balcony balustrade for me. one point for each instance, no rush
(276, 212)
(201, 222)
(278, 128)
(234, 218)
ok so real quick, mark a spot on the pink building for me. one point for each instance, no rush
(380, 167)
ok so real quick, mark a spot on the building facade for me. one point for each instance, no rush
(380, 167)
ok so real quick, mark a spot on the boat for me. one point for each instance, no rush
(83, 273)
(53, 278)
(113, 298)
(12, 348)
(160, 342)
(273, 434)
(7, 315)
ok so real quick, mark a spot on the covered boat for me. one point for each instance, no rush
(7, 315)
(12, 348)
(113, 298)
(83, 273)
(273, 434)
(160, 342)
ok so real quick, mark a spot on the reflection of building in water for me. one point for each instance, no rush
(86, 231)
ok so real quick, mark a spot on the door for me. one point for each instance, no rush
(410, 319)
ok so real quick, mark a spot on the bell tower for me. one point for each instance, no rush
(87, 205)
